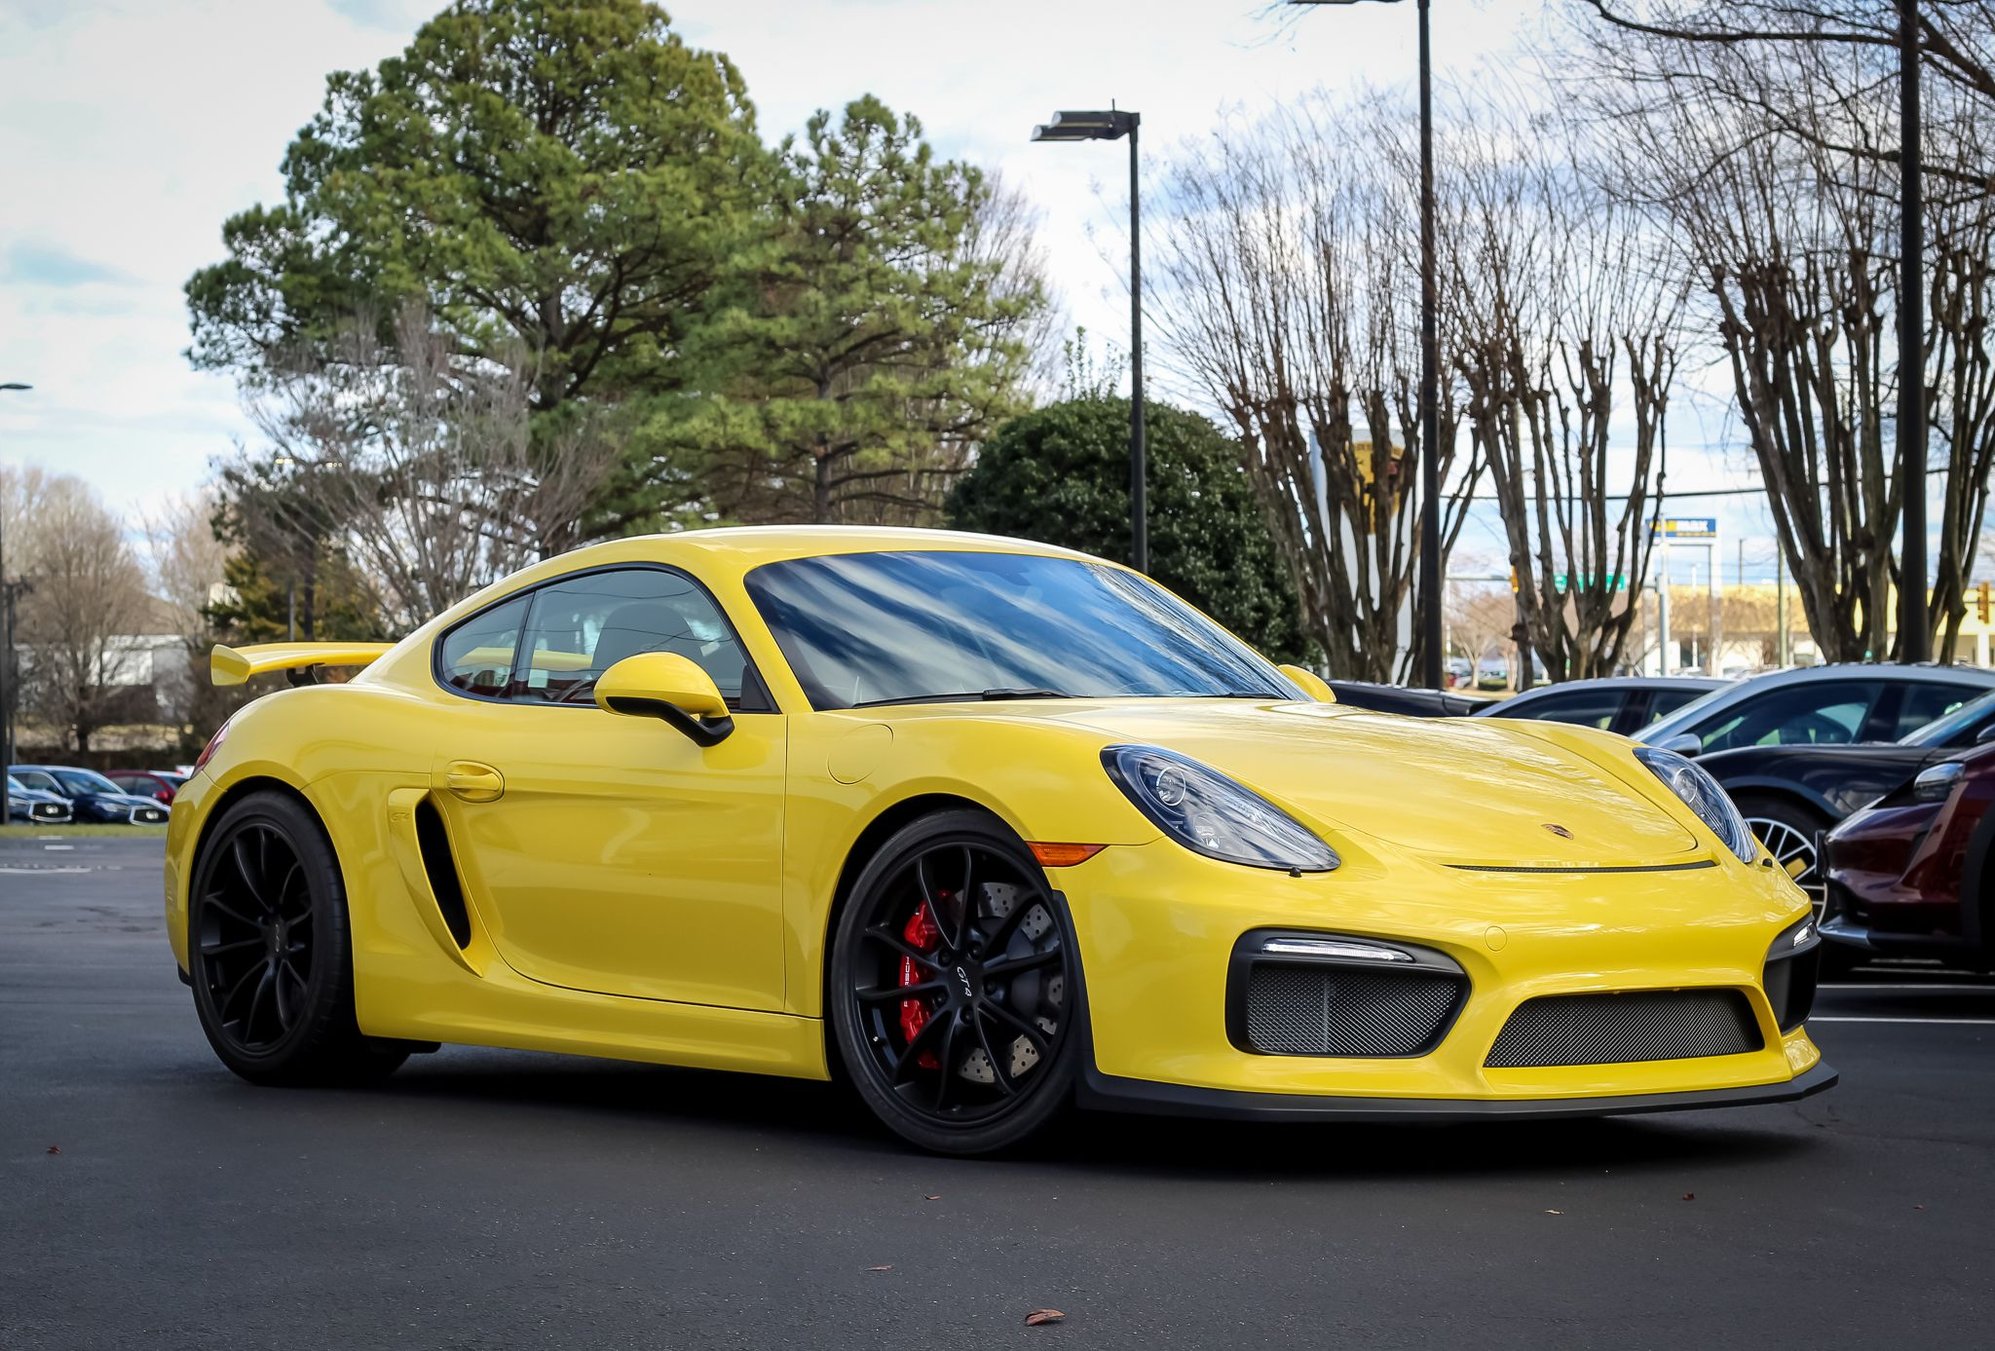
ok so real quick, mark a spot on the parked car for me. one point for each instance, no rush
(1908, 875)
(1792, 793)
(91, 796)
(1819, 706)
(34, 807)
(1623, 704)
(1400, 699)
(1492, 673)
(720, 768)
(158, 784)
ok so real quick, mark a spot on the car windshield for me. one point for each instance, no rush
(883, 628)
(84, 781)
(1962, 722)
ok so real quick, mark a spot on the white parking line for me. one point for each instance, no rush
(1965, 1022)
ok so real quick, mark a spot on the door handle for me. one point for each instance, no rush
(470, 781)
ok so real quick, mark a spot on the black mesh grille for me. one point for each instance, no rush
(1615, 1029)
(1332, 1010)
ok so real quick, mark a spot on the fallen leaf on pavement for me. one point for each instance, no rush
(888, 1267)
(1690, 1196)
(1038, 1316)
(936, 1197)
(1555, 1212)
(55, 1149)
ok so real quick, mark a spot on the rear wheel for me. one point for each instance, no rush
(268, 951)
(954, 988)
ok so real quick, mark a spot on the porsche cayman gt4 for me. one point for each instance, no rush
(981, 827)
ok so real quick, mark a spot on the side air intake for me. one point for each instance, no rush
(441, 867)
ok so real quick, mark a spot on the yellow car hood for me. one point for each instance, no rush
(1463, 791)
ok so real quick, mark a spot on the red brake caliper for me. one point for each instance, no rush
(922, 934)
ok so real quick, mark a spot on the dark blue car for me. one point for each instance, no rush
(91, 796)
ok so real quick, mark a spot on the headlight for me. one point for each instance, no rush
(1701, 793)
(1936, 784)
(1209, 814)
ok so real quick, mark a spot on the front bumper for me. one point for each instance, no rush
(1108, 1093)
(1157, 928)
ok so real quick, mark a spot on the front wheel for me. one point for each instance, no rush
(1788, 830)
(954, 988)
(269, 954)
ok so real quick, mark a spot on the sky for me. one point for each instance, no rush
(131, 129)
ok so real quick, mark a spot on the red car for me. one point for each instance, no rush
(152, 783)
(1909, 875)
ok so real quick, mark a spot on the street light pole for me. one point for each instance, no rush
(1429, 601)
(1113, 125)
(7, 629)
(1139, 458)
(1915, 641)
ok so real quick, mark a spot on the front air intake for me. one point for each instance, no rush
(1293, 992)
(1300, 1010)
(1620, 1029)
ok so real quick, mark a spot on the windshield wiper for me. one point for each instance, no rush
(968, 697)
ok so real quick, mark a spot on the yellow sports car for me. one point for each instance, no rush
(982, 827)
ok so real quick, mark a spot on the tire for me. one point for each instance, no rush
(269, 954)
(964, 1036)
(1788, 829)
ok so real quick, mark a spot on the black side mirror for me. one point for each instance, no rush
(1985, 735)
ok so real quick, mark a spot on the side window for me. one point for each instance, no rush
(581, 628)
(1586, 708)
(1819, 713)
(476, 657)
(1924, 703)
(1662, 703)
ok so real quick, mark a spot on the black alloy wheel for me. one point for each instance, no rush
(256, 938)
(268, 950)
(955, 990)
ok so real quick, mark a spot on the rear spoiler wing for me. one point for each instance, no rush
(235, 665)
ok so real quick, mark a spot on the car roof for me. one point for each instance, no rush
(1495, 708)
(753, 545)
(1642, 682)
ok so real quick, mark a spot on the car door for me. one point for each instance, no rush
(604, 852)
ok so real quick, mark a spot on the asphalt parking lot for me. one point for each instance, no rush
(492, 1199)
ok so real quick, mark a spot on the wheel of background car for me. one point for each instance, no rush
(268, 950)
(955, 990)
(1788, 831)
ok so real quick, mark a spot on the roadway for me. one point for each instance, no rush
(486, 1199)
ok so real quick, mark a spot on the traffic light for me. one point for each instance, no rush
(1983, 601)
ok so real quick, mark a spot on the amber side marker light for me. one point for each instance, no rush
(1065, 855)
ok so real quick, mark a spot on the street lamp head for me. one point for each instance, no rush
(1111, 125)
